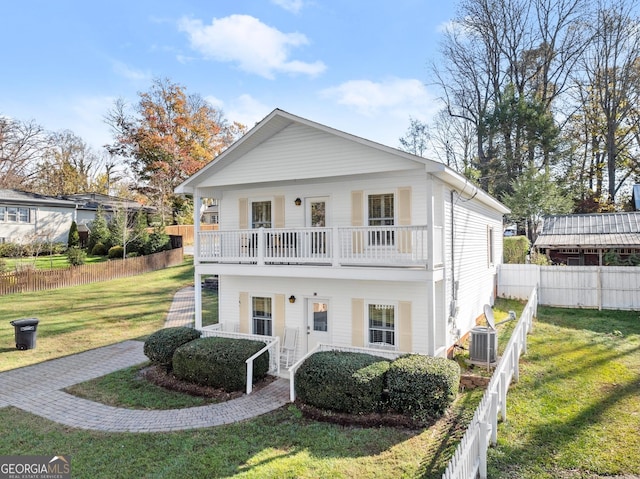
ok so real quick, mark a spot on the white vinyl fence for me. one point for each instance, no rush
(599, 287)
(470, 459)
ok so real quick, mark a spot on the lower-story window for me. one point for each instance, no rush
(262, 320)
(382, 324)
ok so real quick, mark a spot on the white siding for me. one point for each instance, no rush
(468, 263)
(339, 294)
(339, 193)
(47, 224)
(300, 152)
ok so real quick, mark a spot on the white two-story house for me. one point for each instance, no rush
(350, 242)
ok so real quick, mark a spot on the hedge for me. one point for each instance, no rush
(161, 345)
(220, 362)
(342, 381)
(422, 386)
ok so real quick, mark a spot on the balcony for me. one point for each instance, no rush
(395, 246)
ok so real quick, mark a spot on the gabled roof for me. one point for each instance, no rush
(24, 198)
(278, 120)
(591, 230)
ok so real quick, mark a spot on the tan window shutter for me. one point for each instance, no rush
(404, 206)
(278, 316)
(357, 219)
(357, 208)
(243, 213)
(357, 322)
(278, 212)
(245, 321)
(405, 342)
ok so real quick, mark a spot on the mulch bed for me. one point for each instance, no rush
(160, 377)
(361, 420)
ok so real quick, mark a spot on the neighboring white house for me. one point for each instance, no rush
(28, 217)
(350, 242)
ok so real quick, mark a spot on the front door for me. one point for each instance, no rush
(318, 324)
(316, 217)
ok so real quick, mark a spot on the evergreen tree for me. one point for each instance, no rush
(99, 230)
(74, 236)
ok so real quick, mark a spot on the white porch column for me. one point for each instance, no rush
(430, 225)
(198, 298)
(197, 213)
(432, 317)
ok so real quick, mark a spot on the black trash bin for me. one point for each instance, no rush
(25, 332)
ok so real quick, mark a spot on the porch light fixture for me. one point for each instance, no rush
(292, 299)
(298, 201)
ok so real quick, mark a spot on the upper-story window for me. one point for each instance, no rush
(261, 214)
(490, 247)
(381, 213)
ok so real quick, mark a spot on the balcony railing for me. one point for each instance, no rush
(372, 246)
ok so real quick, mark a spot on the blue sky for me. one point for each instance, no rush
(359, 66)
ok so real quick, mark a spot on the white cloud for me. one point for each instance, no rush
(380, 111)
(245, 40)
(370, 98)
(126, 71)
(293, 6)
(244, 109)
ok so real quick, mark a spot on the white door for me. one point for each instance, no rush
(318, 322)
(316, 217)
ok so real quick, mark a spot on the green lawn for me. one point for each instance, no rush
(55, 261)
(576, 411)
(85, 317)
(574, 414)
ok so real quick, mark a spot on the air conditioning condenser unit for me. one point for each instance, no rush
(483, 347)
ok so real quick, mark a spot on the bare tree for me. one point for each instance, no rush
(611, 88)
(416, 139)
(494, 45)
(69, 166)
(22, 145)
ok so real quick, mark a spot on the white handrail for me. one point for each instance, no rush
(396, 245)
(252, 358)
(272, 343)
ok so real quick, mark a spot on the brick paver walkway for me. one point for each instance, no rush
(38, 389)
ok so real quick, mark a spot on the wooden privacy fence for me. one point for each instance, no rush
(470, 459)
(598, 287)
(37, 280)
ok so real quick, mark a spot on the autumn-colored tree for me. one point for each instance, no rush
(168, 137)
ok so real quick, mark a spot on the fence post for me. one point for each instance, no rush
(249, 376)
(504, 388)
(482, 469)
(493, 417)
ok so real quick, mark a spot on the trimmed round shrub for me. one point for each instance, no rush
(160, 346)
(342, 381)
(220, 362)
(422, 386)
(116, 252)
(99, 249)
